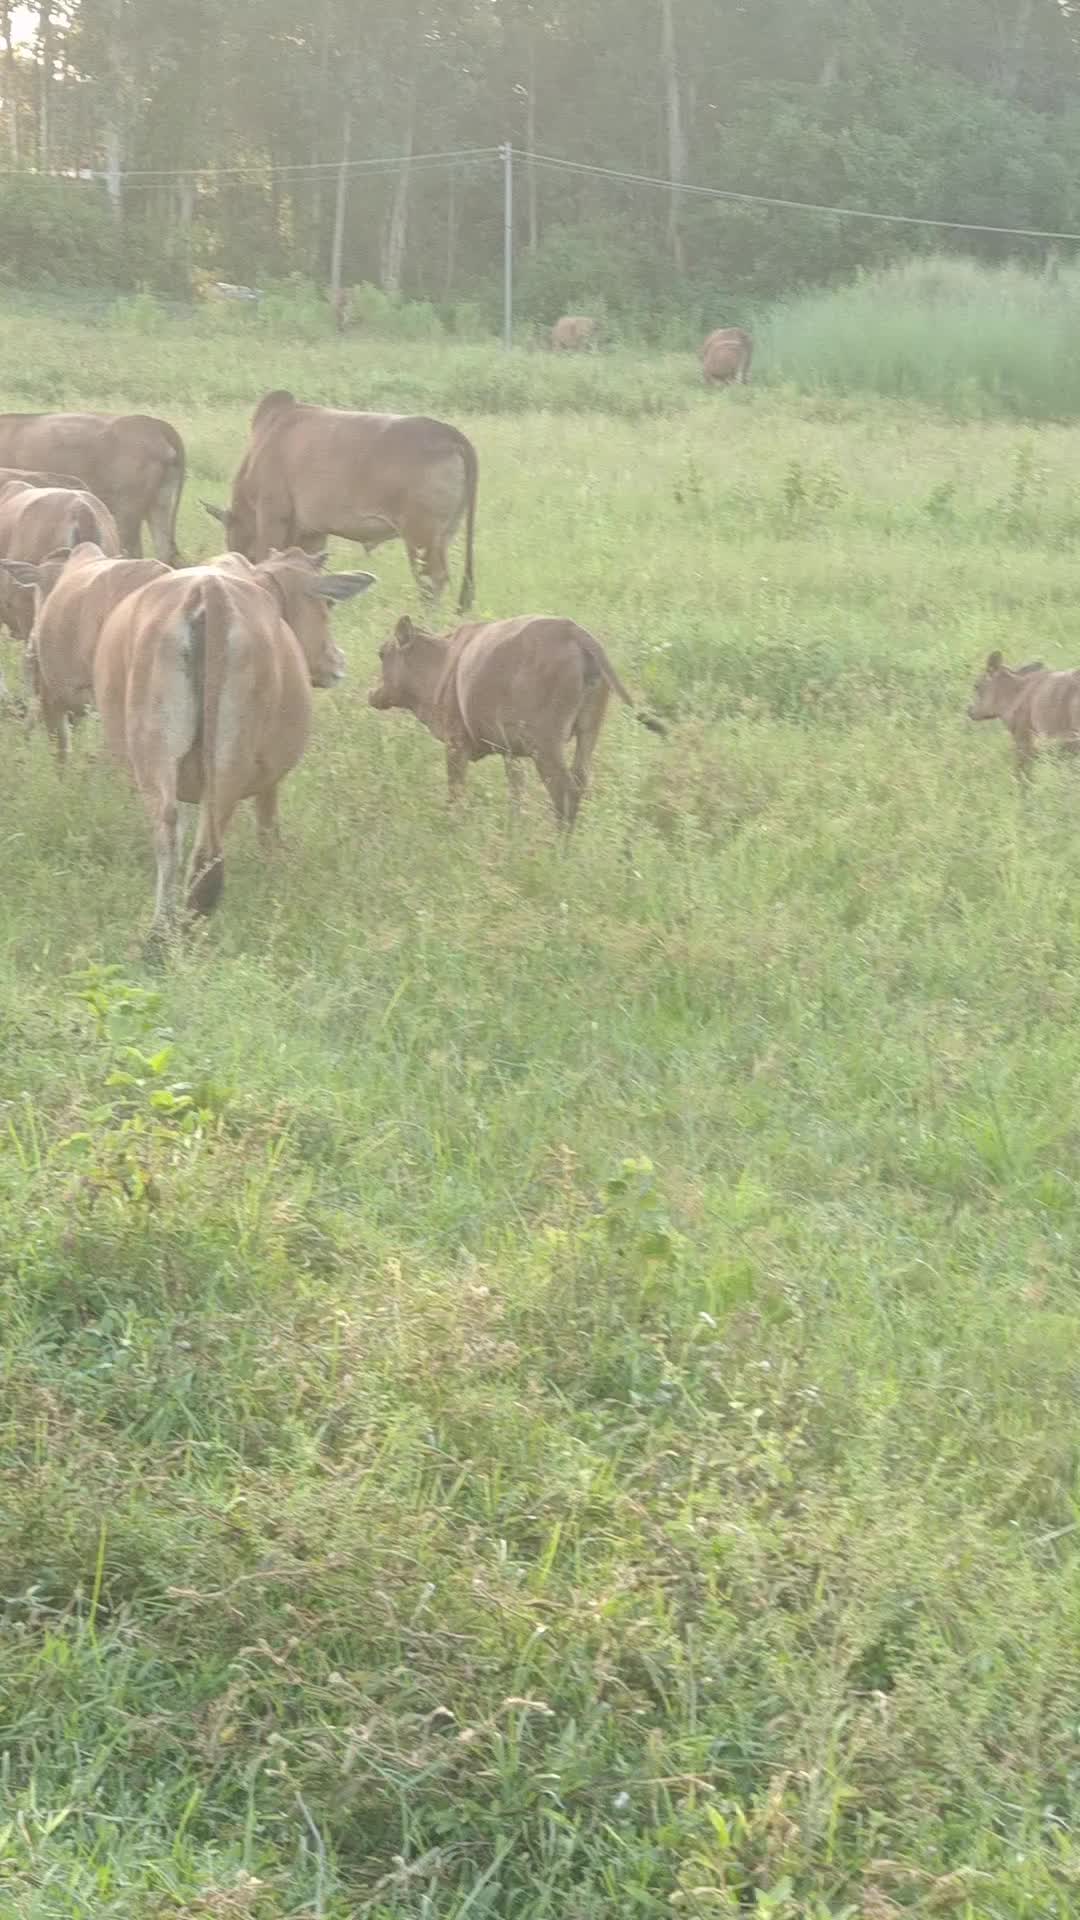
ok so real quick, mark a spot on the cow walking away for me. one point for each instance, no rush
(130, 460)
(73, 597)
(726, 357)
(203, 681)
(574, 333)
(36, 522)
(1035, 703)
(310, 472)
(522, 688)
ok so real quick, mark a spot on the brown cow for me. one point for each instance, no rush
(726, 356)
(73, 598)
(36, 522)
(203, 680)
(131, 461)
(1034, 702)
(313, 471)
(520, 687)
(574, 332)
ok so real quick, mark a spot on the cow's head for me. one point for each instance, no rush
(399, 658)
(25, 585)
(998, 688)
(239, 524)
(305, 594)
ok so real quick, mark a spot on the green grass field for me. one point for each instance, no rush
(545, 1386)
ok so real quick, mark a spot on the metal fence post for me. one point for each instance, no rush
(508, 244)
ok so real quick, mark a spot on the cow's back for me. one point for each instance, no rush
(515, 682)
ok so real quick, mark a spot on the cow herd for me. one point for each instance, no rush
(725, 354)
(202, 674)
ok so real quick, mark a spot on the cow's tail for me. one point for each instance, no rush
(167, 505)
(597, 659)
(472, 481)
(207, 611)
(86, 524)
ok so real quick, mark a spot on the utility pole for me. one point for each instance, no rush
(508, 245)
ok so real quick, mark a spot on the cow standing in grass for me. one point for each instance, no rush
(726, 357)
(314, 471)
(203, 680)
(130, 460)
(522, 688)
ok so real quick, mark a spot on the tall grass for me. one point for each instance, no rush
(540, 1384)
(974, 340)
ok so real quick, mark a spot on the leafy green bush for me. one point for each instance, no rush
(59, 233)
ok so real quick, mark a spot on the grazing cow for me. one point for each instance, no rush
(74, 596)
(574, 332)
(36, 522)
(131, 461)
(1035, 703)
(521, 688)
(726, 356)
(313, 471)
(203, 681)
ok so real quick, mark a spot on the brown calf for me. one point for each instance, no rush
(1034, 702)
(521, 688)
(203, 680)
(36, 522)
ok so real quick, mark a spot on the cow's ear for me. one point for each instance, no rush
(994, 661)
(216, 513)
(1033, 666)
(341, 586)
(404, 632)
(23, 571)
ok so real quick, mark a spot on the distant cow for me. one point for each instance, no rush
(522, 688)
(36, 522)
(131, 461)
(203, 680)
(313, 471)
(1034, 702)
(74, 596)
(726, 357)
(574, 332)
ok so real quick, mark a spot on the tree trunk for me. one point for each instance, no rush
(113, 149)
(11, 83)
(339, 203)
(398, 226)
(676, 138)
(1012, 64)
(45, 60)
(530, 143)
(451, 230)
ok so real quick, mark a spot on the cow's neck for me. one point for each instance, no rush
(427, 664)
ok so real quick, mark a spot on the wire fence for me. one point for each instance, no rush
(508, 159)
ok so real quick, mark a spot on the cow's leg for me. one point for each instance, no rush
(206, 874)
(166, 817)
(266, 819)
(273, 528)
(457, 765)
(559, 782)
(130, 531)
(426, 545)
(58, 728)
(586, 733)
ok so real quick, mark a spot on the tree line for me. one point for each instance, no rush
(148, 142)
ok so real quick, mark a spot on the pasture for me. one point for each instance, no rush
(545, 1386)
